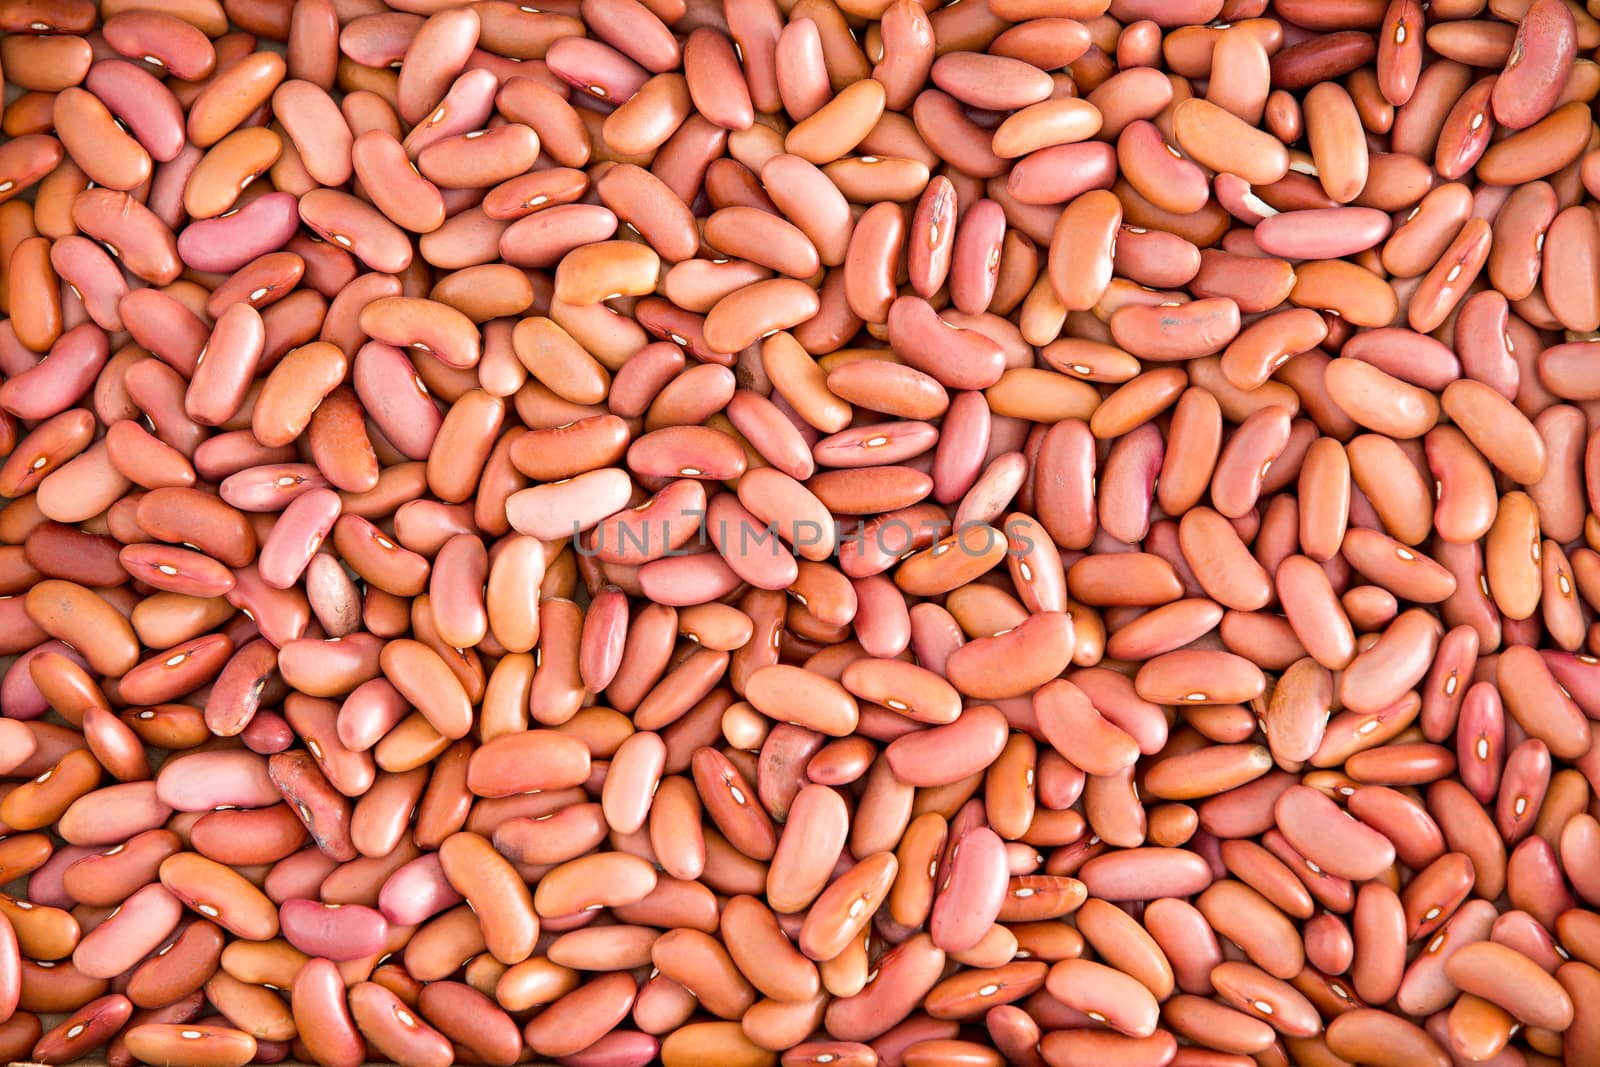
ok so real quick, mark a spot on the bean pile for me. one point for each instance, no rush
(821, 532)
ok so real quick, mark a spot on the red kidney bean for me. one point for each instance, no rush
(1074, 551)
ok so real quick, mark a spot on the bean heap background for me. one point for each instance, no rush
(1171, 423)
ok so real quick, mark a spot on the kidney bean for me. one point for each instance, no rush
(1194, 428)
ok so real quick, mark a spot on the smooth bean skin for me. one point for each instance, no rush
(1046, 532)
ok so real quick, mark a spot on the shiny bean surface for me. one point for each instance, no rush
(723, 532)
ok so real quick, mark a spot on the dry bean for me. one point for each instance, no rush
(651, 532)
